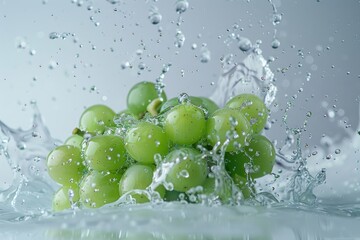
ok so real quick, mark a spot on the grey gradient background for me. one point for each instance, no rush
(327, 32)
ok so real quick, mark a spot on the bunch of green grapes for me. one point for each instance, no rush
(112, 155)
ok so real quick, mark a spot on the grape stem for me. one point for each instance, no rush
(79, 132)
(153, 107)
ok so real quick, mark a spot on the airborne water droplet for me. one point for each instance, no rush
(179, 39)
(244, 44)
(155, 18)
(54, 35)
(205, 55)
(181, 6)
(275, 43)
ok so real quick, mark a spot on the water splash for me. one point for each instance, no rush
(252, 75)
(28, 188)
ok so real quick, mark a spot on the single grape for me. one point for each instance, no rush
(96, 119)
(65, 164)
(140, 96)
(138, 177)
(65, 197)
(99, 188)
(74, 140)
(145, 140)
(189, 170)
(169, 104)
(105, 153)
(209, 105)
(185, 124)
(253, 109)
(257, 159)
(228, 124)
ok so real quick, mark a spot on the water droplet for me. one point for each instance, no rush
(184, 173)
(183, 98)
(193, 46)
(338, 151)
(179, 39)
(54, 35)
(32, 52)
(275, 43)
(181, 6)
(52, 65)
(205, 55)
(141, 66)
(244, 44)
(155, 18)
(277, 18)
(125, 65)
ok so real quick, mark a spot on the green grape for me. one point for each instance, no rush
(140, 96)
(65, 164)
(65, 197)
(105, 153)
(189, 170)
(185, 124)
(209, 105)
(138, 177)
(258, 157)
(253, 109)
(74, 140)
(202, 102)
(241, 183)
(99, 188)
(96, 119)
(145, 140)
(169, 104)
(228, 124)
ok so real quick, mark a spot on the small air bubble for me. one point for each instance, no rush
(337, 151)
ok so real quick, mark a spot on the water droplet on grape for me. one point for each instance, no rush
(184, 173)
(183, 98)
